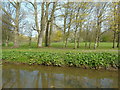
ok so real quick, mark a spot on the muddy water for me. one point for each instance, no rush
(24, 76)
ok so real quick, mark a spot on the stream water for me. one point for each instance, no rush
(24, 76)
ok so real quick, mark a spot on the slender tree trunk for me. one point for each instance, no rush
(78, 42)
(47, 35)
(114, 39)
(76, 29)
(98, 42)
(66, 42)
(64, 32)
(15, 38)
(89, 44)
(75, 39)
(7, 40)
(90, 40)
(36, 20)
(51, 22)
(30, 39)
(36, 15)
(67, 36)
(68, 33)
(46, 24)
(50, 33)
(98, 30)
(96, 39)
(17, 25)
(65, 20)
(118, 43)
(85, 44)
(6, 44)
(86, 38)
(95, 45)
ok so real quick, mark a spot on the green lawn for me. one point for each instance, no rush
(59, 47)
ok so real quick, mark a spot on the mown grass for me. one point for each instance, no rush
(102, 45)
(59, 47)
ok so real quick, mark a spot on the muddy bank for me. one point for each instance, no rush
(82, 67)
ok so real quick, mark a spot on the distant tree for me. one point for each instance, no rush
(57, 36)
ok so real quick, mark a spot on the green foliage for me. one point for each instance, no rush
(92, 60)
(57, 37)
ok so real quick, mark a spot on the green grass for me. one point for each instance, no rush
(59, 47)
(102, 45)
(57, 55)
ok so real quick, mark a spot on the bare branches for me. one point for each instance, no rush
(13, 4)
(8, 14)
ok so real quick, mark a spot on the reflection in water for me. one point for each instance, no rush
(21, 76)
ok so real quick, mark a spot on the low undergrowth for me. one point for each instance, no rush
(87, 60)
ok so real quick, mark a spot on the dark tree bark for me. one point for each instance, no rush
(114, 39)
(47, 35)
(30, 40)
(118, 43)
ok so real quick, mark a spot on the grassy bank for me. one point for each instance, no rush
(94, 60)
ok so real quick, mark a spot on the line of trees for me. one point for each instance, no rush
(72, 19)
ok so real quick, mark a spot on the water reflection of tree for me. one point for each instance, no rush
(44, 80)
(8, 78)
(48, 79)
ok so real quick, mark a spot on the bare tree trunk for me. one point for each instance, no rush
(65, 21)
(68, 33)
(78, 42)
(40, 36)
(64, 36)
(51, 23)
(98, 41)
(75, 39)
(118, 43)
(36, 15)
(7, 40)
(98, 30)
(76, 29)
(95, 45)
(66, 42)
(90, 40)
(17, 25)
(40, 39)
(114, 39)
(67, 36)
(89, 44)
(30, 39)
(46, 24)
(47, 35)
(36, 20)
(50, 32)
(15, 38)
(86, 39)
(85, 44)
